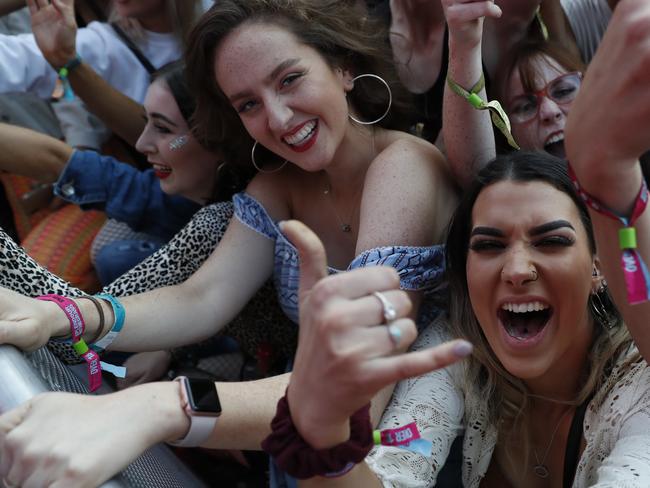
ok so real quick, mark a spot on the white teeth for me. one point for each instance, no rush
(524, 307)
(159, 167)
(556, 138)
(302, 134)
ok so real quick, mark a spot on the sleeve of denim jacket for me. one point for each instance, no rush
(97, 182)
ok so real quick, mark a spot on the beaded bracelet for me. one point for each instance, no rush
(499, 117)
(637, 277)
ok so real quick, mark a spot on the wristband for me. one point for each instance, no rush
(77, 328)
(64, 72)
(119, 314)
(498, 115)
(637, 277)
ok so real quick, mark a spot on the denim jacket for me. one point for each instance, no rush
(97, 182)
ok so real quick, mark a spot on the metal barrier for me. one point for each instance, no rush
(23, 376)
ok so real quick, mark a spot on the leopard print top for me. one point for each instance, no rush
(261, 320)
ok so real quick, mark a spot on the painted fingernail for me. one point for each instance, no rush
(463, 349)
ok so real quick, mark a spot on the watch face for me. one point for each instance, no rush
(203, 396)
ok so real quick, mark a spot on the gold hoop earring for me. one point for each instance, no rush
(390, 99)
(264, 170)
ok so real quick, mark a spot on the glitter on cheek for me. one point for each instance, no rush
(179, 142)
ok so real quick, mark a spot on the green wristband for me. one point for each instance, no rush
(627, 238)
(80, 347)
(376, 437)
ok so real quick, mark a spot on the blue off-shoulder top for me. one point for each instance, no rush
(419, 268)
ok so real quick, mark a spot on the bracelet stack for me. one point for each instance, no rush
(78, 326)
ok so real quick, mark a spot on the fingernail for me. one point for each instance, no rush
(463, 349)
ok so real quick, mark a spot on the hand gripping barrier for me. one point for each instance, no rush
(23, 376)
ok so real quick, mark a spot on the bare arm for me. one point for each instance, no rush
(604, 142)
(30, 153)
(123, 115)
(55, 31)
(468, 133)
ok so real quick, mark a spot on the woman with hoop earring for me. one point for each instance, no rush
(293, 76)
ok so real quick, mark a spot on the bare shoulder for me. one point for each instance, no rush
(411, 158)
(272, 190)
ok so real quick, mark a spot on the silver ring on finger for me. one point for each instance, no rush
(395, 335)
(388, 309)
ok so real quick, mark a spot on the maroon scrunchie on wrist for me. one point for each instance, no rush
(297, 458)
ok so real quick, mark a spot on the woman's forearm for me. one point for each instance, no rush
(30, 153)
(123, 115)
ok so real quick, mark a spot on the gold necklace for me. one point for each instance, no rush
(345, 226)
(540, 469)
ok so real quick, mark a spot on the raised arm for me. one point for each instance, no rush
(55, 30)
(467, 132)
(606, 131)
(345, 351)
(30, 153)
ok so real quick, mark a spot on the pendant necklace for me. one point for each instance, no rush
(346, 226)
(540, 469)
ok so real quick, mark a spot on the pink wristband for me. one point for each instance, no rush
(77, 328)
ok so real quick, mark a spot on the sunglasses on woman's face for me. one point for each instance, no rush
(561, 90)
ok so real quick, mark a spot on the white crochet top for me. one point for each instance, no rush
(616, 427)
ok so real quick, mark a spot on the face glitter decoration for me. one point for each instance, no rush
(178, 143)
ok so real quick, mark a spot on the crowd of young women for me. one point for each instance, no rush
(554, 388)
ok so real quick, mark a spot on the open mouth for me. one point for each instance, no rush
(302, 139)
(161, 171)
(524, 321)
(555, 146)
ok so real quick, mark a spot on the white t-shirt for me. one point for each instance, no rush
(24, 69)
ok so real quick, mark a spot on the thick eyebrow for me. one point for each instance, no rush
(156, 115)
(486, 231)
(535, 231)
(269, 79)
(549, 226)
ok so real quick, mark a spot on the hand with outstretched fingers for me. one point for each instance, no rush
(346, 354)
(25, 322)
(64, 440)
(55, 29)
(465, 19)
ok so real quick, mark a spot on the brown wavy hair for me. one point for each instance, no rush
(337, 29)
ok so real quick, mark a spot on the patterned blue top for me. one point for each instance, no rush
(419, 268)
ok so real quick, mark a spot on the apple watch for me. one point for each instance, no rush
(200, 402)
